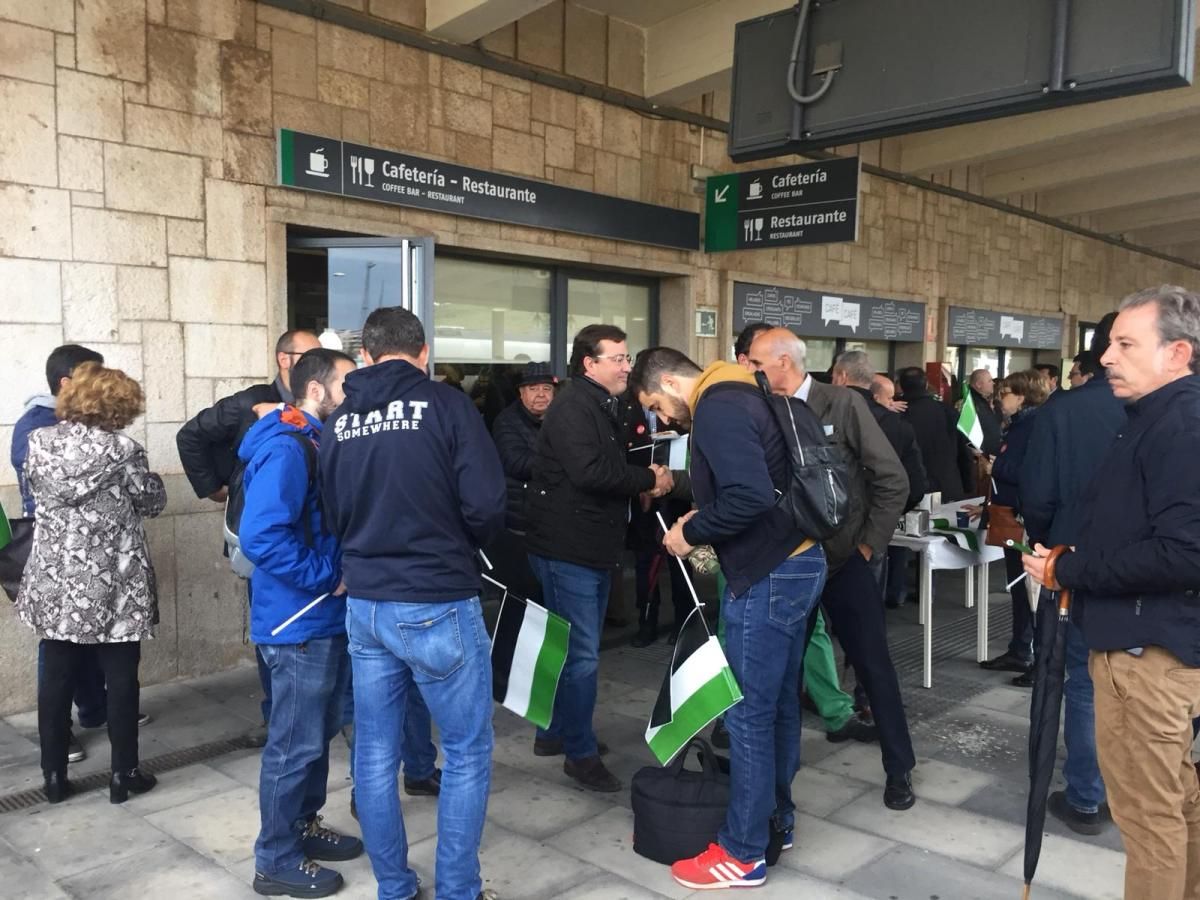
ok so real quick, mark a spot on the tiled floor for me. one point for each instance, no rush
(193, 837)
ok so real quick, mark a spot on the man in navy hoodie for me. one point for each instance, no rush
(282, 531)
(413, 487)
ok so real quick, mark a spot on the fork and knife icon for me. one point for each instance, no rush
(360, 165)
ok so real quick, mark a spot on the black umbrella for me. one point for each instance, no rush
(1044, 713)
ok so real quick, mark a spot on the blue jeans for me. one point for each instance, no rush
(308, 682)
(417, 749)
(1085, 787)
(765, 632)
(1021, 644)
(580, 595)
(442, 651)
(91, 697)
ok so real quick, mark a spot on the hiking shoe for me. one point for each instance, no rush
(714, 869)
(554, 747)
(592, 774)
(423, 787)
(1079, 822)
(75, 751)
(319, 842)
(306, 880)
(855, 729)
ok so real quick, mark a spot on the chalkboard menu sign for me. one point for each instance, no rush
(984, 328)
(824, 314)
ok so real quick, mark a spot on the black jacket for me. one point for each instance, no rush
(582, 486)
(209, 442)
(1071, 437)
(900, 435)
(515, 432)
(1008, 469)
(412, 486)
(993, 432)
(1136, 569)
(936, 427)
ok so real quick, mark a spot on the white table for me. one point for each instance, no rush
(936, 552)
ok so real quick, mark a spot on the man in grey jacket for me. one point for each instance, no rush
(878, 492)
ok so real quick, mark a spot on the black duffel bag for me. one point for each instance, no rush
(676, 811)
(14, 555)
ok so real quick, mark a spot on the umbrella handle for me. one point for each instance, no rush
(1064, 595)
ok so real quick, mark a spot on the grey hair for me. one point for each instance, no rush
(856, 364)
(786, 343)
(1178, 315)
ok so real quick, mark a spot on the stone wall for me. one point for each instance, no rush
(137, 215)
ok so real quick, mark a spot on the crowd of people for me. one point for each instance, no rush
(359, 494)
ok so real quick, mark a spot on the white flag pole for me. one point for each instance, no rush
(276, 630)
(682, 568)
(487, 562)
(491, 580)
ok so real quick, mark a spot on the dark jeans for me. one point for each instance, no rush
(579, 594)
(856, 618)
(765, 631)
(308, 683)
(895, 591)
(1021, 644)
(264, 671)
(91, 699)
(649, 596)
(62, 661)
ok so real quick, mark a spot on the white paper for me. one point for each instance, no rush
(678, 453)
(831, 309)
(850, 316)
(1012, 327)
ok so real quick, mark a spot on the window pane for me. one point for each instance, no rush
(982, 358)
(1017, 361)
(820, 353)
(611, 303)
(877, 350)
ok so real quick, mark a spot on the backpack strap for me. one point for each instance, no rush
(310, 463)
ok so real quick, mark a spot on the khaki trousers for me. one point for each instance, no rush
(1144, 710)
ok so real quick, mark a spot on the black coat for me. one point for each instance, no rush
(582, 486)
(1010, 461)
(993, 432)
(936, 427)
(209, 442)
(515, 432)
(1136, 569)
(904, 441)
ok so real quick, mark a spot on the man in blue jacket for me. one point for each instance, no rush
(282, 531)
(1071, 436)
(1135, 577)
(413, 487)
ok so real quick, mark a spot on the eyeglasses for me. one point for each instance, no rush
(619, 358)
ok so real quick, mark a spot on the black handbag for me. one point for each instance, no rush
(677, 812)
(14, 555)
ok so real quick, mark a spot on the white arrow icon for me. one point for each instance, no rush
(721, 192)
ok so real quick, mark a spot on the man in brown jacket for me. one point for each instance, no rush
(878, 492)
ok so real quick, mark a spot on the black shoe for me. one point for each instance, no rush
(258, 737)
(75, 751)
(720, 735)
(894, 604)
(57, 787)
(425, 787)
(647, 635)
(135, 781)
(554, 747)
(855, 729)
(319, 842)
(144, 719)
(1006, 662)
(592, 774)
(899, 794)
(1079, 822)
(306, 880)
(1025, 679)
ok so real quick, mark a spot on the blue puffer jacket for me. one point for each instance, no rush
(288, 572)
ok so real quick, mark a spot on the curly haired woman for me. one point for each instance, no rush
(89, 580)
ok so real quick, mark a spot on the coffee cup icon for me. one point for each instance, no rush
(318, 163)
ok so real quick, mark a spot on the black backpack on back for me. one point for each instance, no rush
(818, 490)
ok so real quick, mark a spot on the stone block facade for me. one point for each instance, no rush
(138, 214)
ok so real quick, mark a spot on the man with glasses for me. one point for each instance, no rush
(578, 513)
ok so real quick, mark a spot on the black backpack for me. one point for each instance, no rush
(235, 505)
(818, 491)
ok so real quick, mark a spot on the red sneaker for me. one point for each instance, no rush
(714, 869)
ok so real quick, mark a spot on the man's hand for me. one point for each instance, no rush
(866, 552)
(674, 541)
(663, 481)
(972, 511)
(340, 589)
(220, 495)
(261, 409)
(1036, 565)
(898, 406)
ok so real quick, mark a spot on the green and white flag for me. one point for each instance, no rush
(697, 688)
(968, 420)
(529, 650)
(966, 538)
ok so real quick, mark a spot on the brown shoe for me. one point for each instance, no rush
(592, 774)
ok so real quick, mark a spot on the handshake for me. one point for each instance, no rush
(663, 482)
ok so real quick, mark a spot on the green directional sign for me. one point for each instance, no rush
(810, 203)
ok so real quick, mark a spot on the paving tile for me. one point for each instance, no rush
(982, 739)
(819, 793)
(183, 717)
(222, 827)
(785, 884)
(831, 851)
(1075, 866)
(170, 871)
(609, 887)
(180, 786)
(538, 809)
(23, 880)
(932, 826)
(1012, 700)
(80, 834)
(932, 779)
(607, 841)
(907, 873)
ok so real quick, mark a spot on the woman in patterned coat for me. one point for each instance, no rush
(89, 579)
